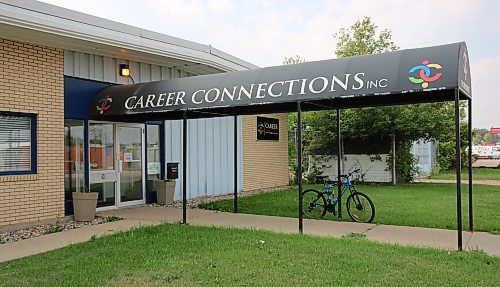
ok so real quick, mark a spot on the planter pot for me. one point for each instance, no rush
(84, 204)
(165, 191)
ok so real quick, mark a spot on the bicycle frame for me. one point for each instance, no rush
(328, 189)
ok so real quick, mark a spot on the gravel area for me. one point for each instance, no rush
(193, 203)
(39, 230)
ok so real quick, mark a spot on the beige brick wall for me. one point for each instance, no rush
(31, 81)
(265, 163)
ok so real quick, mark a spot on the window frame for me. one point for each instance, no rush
(33, 139)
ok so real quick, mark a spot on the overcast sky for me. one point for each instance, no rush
(263, 32)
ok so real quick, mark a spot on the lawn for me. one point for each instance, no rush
(426, 205)
(477, 173)
(176, 255)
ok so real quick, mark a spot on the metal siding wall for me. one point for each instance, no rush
(210, 156)
(105, 69)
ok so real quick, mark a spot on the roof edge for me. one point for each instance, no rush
(55, 20)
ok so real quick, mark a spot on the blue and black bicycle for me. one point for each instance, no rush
(317, 203)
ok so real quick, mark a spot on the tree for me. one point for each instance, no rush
(293, 60)
(488, 138)
(362, 39)
(478, 135)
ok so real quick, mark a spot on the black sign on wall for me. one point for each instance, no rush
(268, 129)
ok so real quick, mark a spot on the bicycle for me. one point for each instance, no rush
(359, 206)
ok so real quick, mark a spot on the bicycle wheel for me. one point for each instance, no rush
(313, 204)
(360, 207)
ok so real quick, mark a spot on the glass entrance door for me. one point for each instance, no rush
(117, 164)
(131, 164)
(103, 174)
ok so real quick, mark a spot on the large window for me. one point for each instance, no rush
(153, 155)
(102, 155)
(74, 161)
(17, 143)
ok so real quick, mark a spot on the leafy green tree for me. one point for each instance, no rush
(362, 38)
(488, 138)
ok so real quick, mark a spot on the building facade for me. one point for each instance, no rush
(53, 61)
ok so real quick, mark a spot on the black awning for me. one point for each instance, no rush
(407, 76)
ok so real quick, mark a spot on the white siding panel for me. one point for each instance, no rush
(155, 73)
(69, 63)
(210, 156)
(105, 69)
(110, 72)
(92, 67)
(145, 73)
(99, 68)
(165, 73)
(209, 138)
(84, 66)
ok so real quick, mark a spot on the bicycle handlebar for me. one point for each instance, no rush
(325, 178)
(351, 173)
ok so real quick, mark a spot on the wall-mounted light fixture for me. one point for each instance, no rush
(124, 70)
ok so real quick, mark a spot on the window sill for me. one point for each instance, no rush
(20, 177)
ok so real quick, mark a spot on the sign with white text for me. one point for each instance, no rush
(268, 129)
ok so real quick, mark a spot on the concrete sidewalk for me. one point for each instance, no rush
(493, 182)
(147, 215)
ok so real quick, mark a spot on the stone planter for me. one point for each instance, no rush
(165, 191)
(84, 204)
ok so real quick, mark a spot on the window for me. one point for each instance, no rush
(153, 156)
(17, 143)
(74, 160)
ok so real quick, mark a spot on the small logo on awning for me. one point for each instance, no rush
(425, 73)
(104, 104)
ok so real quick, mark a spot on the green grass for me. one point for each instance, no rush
(477, 173)
(425, 205)
(175, 255)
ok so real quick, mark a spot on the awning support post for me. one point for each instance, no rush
(469, 132)
(184, 166)
(235, 208)
(299, 164)
(339, 157)
(458, 169)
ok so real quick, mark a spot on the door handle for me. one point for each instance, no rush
(120, 165)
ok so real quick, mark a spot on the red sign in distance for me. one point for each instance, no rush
(495, 131)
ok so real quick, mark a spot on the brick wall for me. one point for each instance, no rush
(265, 163)
(31, 81)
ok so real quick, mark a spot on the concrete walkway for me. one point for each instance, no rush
(464, 181)
(146, 215)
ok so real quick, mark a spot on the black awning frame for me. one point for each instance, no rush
(432, 74)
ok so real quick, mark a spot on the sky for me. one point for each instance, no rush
(264, 32)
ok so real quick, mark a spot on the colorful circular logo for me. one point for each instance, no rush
(261, 128)
(104, 104)
(425, 73)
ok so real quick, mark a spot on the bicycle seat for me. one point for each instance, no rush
(320, 178)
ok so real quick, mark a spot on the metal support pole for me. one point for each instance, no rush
(394, 179)
(235, 208)
(458, 169)
(299, 164)
(469, 132)
(184, 166)
(339, 156)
